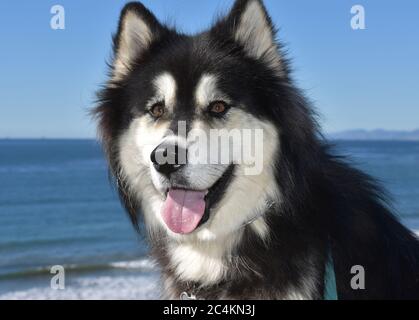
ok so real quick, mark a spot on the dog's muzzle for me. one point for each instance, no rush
(185, 208)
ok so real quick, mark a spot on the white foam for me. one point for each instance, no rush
(144, 264)
(143, 287)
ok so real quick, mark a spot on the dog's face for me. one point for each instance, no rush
(171, 97)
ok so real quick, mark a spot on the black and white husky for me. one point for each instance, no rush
(217, 231)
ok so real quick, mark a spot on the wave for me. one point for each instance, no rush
(16, 203)
(54, 167)
(142, 265)
(126, 287)
(44, 242)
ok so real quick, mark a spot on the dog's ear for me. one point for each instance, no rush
(137, 30)
(252, 27)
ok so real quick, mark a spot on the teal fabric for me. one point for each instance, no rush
(330, 288)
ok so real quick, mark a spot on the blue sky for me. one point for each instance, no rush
(357, 79)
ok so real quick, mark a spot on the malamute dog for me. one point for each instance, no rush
(294, 229)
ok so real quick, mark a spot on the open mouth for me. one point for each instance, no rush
(184, 210)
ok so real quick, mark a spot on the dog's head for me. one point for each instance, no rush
(188, 122)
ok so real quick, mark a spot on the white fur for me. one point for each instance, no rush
(207, 91)
(261, 228)
(295, 295)
(166, 87)
(135, 38)
(202, 261)
(257, 37)
(135, 147)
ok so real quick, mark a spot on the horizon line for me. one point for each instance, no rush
(96, 138)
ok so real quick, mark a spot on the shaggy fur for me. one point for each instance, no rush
(315, 202)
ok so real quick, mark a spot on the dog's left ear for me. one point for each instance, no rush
(251, 27)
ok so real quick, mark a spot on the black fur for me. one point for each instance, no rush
(327, 204)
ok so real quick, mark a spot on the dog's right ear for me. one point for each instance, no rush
(250, 25)
(137, 30)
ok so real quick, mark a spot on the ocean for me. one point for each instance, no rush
(57, 207)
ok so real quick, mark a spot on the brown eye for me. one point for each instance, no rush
(158, 110)
(218, 108)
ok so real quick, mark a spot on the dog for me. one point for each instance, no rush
(217, 230)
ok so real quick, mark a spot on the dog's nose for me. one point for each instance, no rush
(168, 158)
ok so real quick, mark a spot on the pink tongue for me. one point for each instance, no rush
(183, 210)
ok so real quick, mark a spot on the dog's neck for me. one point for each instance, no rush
(233, 266)
(206, 263)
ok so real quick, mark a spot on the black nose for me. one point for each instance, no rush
(168, 158)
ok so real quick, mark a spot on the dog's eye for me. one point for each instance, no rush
(218, 108)
(158, 110)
